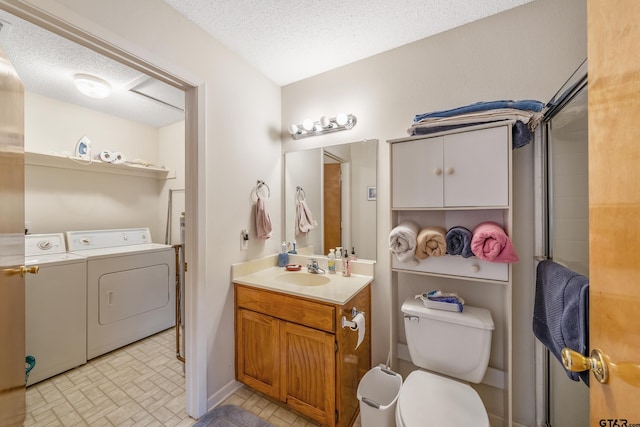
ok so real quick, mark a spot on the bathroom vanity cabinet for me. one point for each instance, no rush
(294, 350)
(459, 178)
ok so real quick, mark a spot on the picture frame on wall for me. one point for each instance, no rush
(371, 193)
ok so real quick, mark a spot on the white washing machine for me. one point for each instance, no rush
(56, 306)
(130, 286)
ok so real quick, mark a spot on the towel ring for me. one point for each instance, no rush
(259, 186)
(300, 194)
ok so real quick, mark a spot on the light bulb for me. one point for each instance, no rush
(307, 124)
(342, 119)
(293, 129)
(325, 122)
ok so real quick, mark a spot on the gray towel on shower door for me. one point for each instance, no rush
(561, 312)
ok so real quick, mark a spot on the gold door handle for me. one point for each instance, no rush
(22, 270)
(601, 366)
(576, 362)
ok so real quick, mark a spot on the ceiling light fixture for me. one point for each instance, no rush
(322, 126)
(92, 86)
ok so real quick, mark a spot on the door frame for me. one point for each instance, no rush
(125, 52)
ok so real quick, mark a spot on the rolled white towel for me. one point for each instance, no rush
(402, 240)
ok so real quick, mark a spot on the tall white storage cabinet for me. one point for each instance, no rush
(459, 178)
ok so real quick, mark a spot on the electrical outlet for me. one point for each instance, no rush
(244, 239)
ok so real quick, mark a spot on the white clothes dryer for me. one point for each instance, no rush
(56, 306)
(130, 286)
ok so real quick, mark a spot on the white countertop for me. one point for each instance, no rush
(339, 290)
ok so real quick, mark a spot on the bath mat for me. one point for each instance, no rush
(230, 416)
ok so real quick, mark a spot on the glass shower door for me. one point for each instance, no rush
(568, 227)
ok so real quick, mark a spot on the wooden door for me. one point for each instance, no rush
(12, 315)
(257, 352)
(332, 211)
(308, 375)
(614, 205)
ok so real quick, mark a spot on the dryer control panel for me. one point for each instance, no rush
(99, 239)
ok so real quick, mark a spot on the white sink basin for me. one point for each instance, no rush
(304, 279)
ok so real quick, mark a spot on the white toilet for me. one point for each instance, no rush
(451, 349)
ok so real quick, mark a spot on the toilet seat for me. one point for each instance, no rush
(428, 399)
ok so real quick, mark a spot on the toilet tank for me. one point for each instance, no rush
(446, 342)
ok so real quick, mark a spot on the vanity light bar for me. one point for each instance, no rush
(322, 126)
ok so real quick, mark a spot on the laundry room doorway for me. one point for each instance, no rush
(166, 183)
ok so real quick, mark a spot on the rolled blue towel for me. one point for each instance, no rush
(459, 241)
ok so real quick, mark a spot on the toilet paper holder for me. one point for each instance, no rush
(349, 323)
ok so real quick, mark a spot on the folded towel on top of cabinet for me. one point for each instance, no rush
(459, 241)
(521, 133)
(431, 242)
(561, 311)
(524, 105)
(402, 240)
(527, 114)
(263, 220)
(491, 243)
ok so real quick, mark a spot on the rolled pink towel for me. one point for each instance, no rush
(491, 243)
(431, 241)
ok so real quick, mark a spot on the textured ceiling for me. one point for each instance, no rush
(289, 40)
(46, 64)
(286, 40)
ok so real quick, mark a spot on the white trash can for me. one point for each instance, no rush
(378, 393)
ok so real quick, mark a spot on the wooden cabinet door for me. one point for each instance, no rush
(476, 168)
(417, 173)
(308, 372)
(258, 352)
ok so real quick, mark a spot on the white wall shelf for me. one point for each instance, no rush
(96, 166)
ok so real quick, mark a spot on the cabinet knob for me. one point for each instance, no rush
(437, 171)
(449, 171)
(475, 268)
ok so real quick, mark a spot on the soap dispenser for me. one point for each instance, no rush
(346, 264)
(332, 261)
(283, 256)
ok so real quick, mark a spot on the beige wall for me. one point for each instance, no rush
(524, 53)
(59, 200)
(171, 154)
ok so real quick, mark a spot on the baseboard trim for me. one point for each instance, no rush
(222, 394)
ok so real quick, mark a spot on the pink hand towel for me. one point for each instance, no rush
(263, 220)
(304, 218)
(491, 243)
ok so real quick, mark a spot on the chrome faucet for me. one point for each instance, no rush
(313, 268)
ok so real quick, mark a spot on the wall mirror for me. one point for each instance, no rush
(337, 186)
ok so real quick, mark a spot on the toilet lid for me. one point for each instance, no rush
(429, 399)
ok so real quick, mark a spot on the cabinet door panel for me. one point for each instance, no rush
(417, 173)
(476, 168)
(257, 352)
(308, 371)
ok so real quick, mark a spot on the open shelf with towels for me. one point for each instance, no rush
(97, 166)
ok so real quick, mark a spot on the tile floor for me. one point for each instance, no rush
(141, 384)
